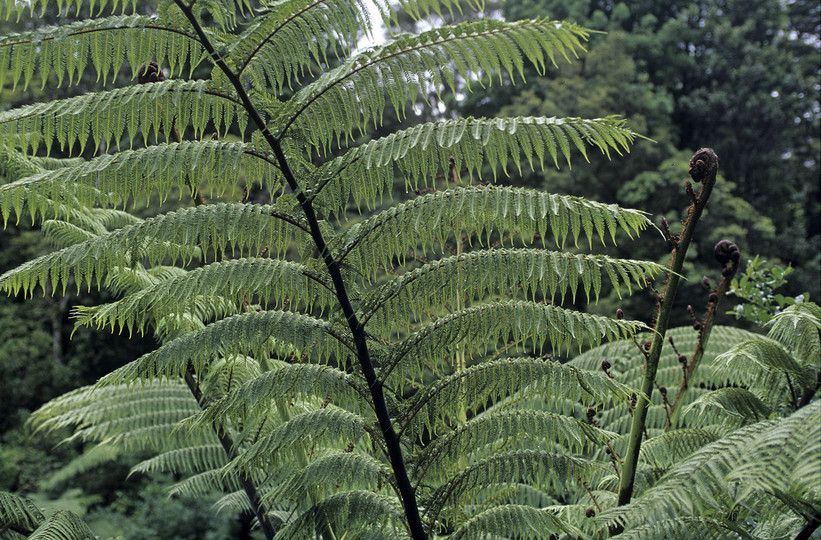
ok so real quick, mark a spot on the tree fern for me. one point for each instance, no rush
(329, 360)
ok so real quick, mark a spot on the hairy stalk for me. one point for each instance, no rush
(395, 453)
(703, 168)
(727, 272)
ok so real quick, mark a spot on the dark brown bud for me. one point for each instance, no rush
(663, 390)
(682, 359)
(619, 314)
(647, 345)
(150, 73)
(605, 365)
(713, 298)
(591, 413)
(703, 165)
(607, 450)
(696, 325)
(706, 281)
(726, 251)
(590, 513)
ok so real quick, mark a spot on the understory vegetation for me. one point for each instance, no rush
(364, 328)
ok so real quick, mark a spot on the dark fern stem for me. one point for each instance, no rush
(392, 444)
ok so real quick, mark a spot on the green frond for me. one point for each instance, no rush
(786, 459)
(332, 473)
(526, 213)
(481, 328)
(61, 525)
(302, 433)
(169, 238)
(765, 367)
(365, 173)
(206, 483)
(278, 47)
(151, 109)
(11, 6)
(226, 374)
(65, 50)
(667, 449)
(516, 521)
(99, 409)
(282, 385)
(738, 404)
(475, 275)
(90, 459)
(269, 282)
(19, 512)
(524, 465)
(180, 168)
(490, 431)
(361, 514)
(798, 328)
(185, 460)
(257, 333)
(356, 93)
(127, 418)
(60, 233)
(765, 459)
(687, 528)
(475, 386)
(123, 281)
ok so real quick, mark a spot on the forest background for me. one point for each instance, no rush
(740, 77)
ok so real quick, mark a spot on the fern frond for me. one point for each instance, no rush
(163, 169)
(206, 483)
(184, 460)
(328, 474)
(282, 385)
(492, 381)
(151, 109)
(90, 459)
(798, 328)
(169, 238)
(786, 459)
(301, 434)
(60, 233)
(432, 218)
(517, 521)
(63, 524)
(269, 281)
(474, 275)
(278, 47)
(257, 333)
(738, 404)
(18, 512)
(366, 172)
(356, 93)
(64, 50)
(669, 448)
(765, 367)
(482, 327)
(505, 429)
(686, 528)
(523, 465)
(11, 6)
(364, 513)
(90, 407)
(763, 459)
